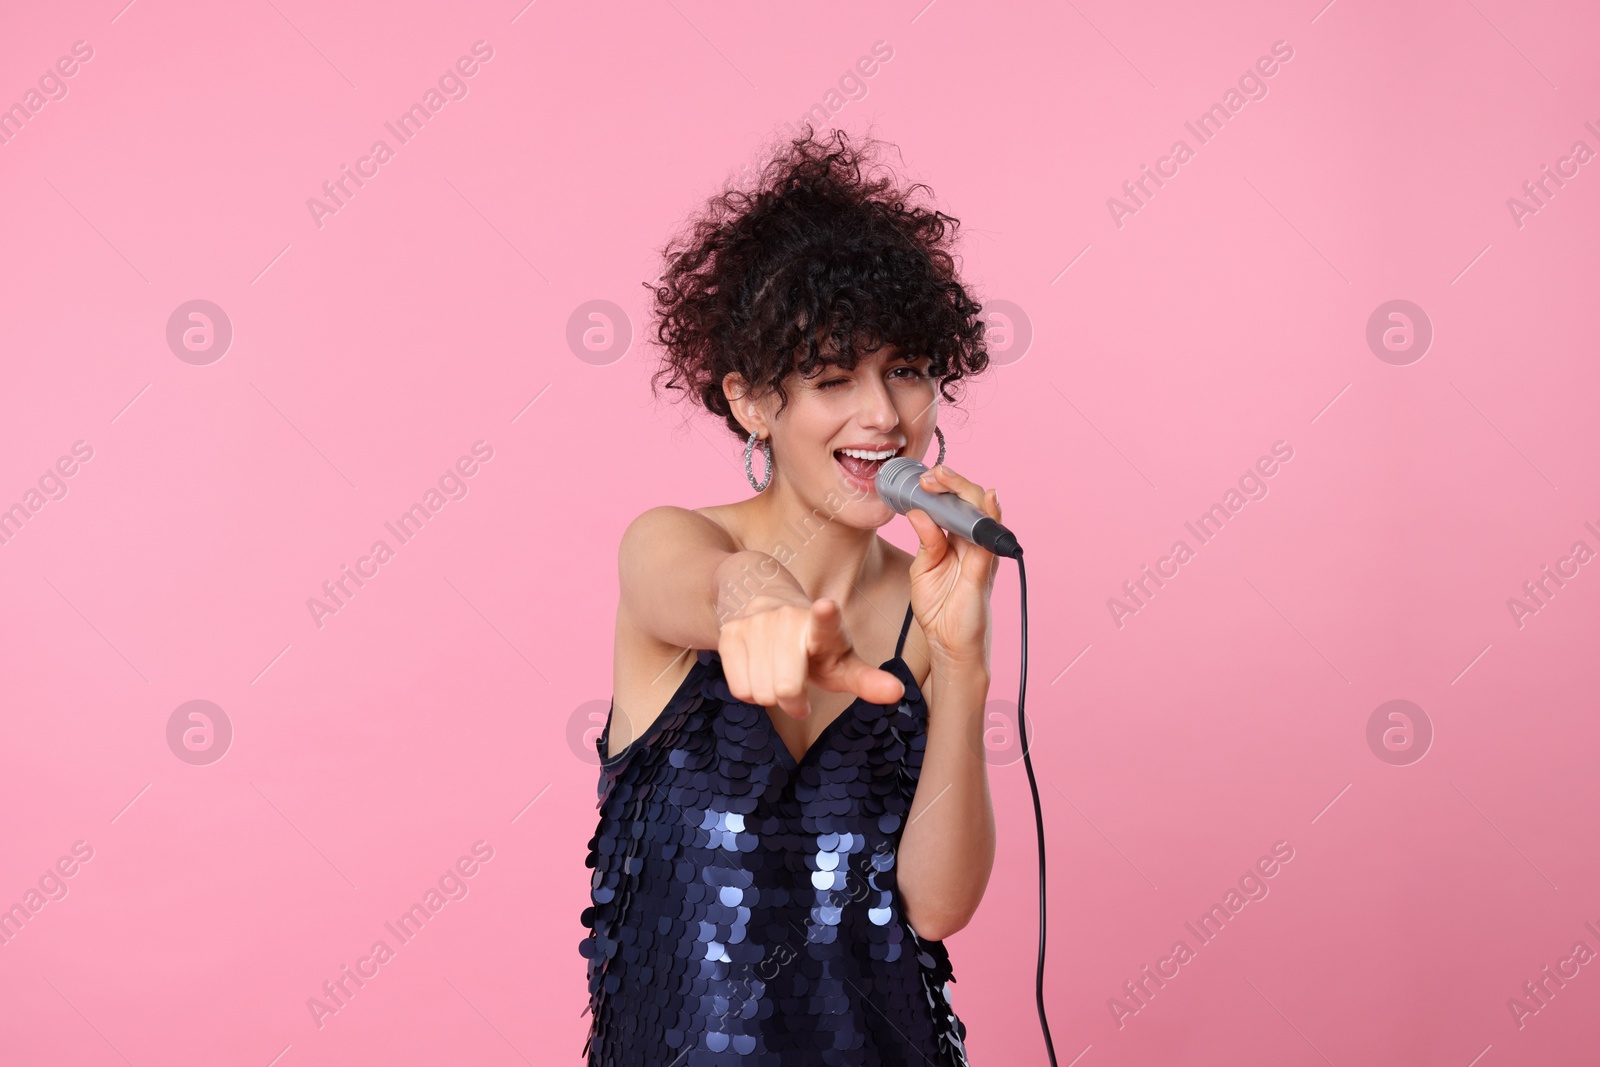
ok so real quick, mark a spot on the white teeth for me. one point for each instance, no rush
(857, 453)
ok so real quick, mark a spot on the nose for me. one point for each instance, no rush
(877, 407)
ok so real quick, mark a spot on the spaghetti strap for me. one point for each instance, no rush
(905, 628)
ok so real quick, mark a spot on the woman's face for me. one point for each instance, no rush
(840, 426)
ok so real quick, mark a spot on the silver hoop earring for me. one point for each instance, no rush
(749, 453)
(940, 435)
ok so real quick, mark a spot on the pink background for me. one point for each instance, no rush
(443, 704)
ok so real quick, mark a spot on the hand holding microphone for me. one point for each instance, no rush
(951, 577)
(899, 484)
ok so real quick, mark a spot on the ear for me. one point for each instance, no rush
(751, 415)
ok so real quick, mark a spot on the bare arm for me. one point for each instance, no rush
(686, 583)
(675, 568)
(947, 849)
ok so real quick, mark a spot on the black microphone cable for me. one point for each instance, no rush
(897, 485)
(1038, 811)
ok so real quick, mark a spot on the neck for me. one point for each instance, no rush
(829, 559)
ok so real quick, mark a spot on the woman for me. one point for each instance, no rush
(788, 833)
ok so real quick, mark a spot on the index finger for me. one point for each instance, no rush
(826, 632)
(947, 479)
(872, 684)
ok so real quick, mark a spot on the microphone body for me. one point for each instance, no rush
(898, 486)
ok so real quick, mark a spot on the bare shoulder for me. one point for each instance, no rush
(665, 565)
(666, 528)
(663, 536)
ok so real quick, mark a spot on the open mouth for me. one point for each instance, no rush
(861, 464)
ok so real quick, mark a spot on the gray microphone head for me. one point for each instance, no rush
(899, 480)
(895, 480)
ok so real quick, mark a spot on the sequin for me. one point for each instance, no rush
(743, 904)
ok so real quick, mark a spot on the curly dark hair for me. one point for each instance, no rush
(815, 265)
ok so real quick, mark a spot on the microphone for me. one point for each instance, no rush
(898, 486)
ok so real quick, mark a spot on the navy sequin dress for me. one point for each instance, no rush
(744, 906)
